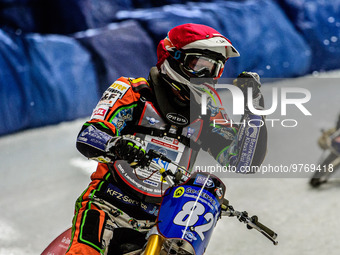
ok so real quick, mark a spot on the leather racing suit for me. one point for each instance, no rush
(119, 197)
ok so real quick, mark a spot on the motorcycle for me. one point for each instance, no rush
(189, 211)
(329, 161)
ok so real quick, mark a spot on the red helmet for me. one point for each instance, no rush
(193, 51)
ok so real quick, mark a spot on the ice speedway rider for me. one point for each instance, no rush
(163, 113)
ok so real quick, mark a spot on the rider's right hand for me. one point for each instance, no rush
(251, 80)
(126, 147)
(247, 80)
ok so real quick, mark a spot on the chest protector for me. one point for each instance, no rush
(178, 143)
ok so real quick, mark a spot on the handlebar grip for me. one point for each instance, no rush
(270, 232)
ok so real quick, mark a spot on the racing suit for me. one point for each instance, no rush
(119, 198)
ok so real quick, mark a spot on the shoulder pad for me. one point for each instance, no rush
(139, 84)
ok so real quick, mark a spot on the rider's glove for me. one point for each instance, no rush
(126, 147)
(247, 80)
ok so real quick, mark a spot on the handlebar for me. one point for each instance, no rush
(267, 232)
(251, 222)
(270, 232)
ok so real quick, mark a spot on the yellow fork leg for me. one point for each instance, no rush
(154, 245)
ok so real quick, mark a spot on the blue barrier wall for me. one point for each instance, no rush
(20, 14)
(158, 21)
(122, 49)
(70, 16)
(318, 21)
(59, 16)
(158, 3)
(43, 80)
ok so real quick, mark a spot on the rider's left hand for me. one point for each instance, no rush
(127, 147)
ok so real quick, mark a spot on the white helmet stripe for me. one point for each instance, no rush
(218, 44)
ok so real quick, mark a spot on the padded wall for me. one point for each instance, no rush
(123, 49)
(318, 21)
(44, 80)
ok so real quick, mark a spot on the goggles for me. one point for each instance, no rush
(202, 66)
(199, 65)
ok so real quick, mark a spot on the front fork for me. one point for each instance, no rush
(154, 245)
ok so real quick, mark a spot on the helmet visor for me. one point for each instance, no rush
(202, 66)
